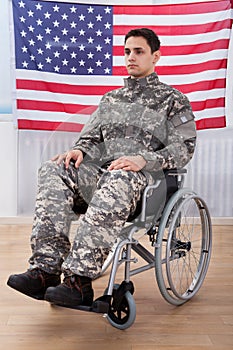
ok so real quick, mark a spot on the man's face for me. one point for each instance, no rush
(139, 60)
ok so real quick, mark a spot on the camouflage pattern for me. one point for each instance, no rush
(111, 196)
(145, 117)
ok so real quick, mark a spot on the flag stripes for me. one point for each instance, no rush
(195, 39)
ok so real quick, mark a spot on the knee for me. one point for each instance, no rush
(118, 179)
(47, 167)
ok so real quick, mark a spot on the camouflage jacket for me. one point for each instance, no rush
(145, 117)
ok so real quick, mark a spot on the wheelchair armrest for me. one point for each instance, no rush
(145, 197)
(169, 172)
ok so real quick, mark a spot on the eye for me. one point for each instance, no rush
(127, 52)
(139, 51)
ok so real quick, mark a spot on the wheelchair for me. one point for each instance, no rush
(178, 225)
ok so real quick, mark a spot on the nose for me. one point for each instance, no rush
(131, 56)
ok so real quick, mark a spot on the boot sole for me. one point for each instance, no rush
(53, 301)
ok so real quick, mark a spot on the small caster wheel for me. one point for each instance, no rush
(122, 310)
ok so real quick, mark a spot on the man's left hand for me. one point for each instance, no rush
(128, 163)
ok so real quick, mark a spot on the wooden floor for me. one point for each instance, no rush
(206, 322)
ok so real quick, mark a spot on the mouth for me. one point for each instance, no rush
(132, 66)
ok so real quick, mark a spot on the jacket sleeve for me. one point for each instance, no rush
(180, 141)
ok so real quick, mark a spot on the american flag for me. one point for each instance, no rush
(67, 55)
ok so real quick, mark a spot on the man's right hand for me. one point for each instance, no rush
(75, 155)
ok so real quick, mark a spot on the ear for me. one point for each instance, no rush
(156, 56)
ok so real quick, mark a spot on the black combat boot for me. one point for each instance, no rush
(33, 282)
(74, 291)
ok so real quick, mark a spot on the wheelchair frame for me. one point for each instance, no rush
(180, 233)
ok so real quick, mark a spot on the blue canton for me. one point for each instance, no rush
(64, 38)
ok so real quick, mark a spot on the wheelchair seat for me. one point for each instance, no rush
(156, 196)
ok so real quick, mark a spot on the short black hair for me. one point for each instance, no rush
(150, 36)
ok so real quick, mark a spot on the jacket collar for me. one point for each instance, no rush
(141, 82)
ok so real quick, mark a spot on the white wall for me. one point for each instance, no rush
(8, 132)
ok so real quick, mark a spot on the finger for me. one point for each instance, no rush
(78, 162)
(67, 160)
(55, 158)
(60, 158)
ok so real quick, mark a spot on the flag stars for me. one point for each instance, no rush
(107, 10)
(39, 37)
(30, 13)
(48, 46)
(40, 51)
(48, 60)
(107, 71)
(81, 63)
(98, 32)
(73, 70)
(107, 25)
(64, 31)
(98, 18)
(31, 29)
(63, 38)
(64, 17)
(65, 47)
(65, 62)
(40, 66)
(90, 25)
(22, 19)
(90, 70)
(25, 64)
(81, 47)
(107, 41)
(31, 42)
(81, 17)
(90, 40)
(81, 32)
(98, 48)
(73, 39)
(73, 9)
(107, 56)
(48, 30)
(56, 24)
(23, 34)
(47, 15)
(56, 39)
(98, 63)
(38, 6)
(73, 55)
(39, 22)
(73, 25)
(56, 8)
(90, 9)
(56, 54)
(90, 55)
(21, 4)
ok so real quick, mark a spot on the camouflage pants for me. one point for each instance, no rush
(111, 197)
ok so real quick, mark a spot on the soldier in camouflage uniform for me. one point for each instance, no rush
(144, 127)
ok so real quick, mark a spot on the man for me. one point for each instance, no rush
(144, 127)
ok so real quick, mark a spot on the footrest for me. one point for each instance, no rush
(100, 305)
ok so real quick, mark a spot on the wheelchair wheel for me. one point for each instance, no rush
(122, 312)
(183, 248)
